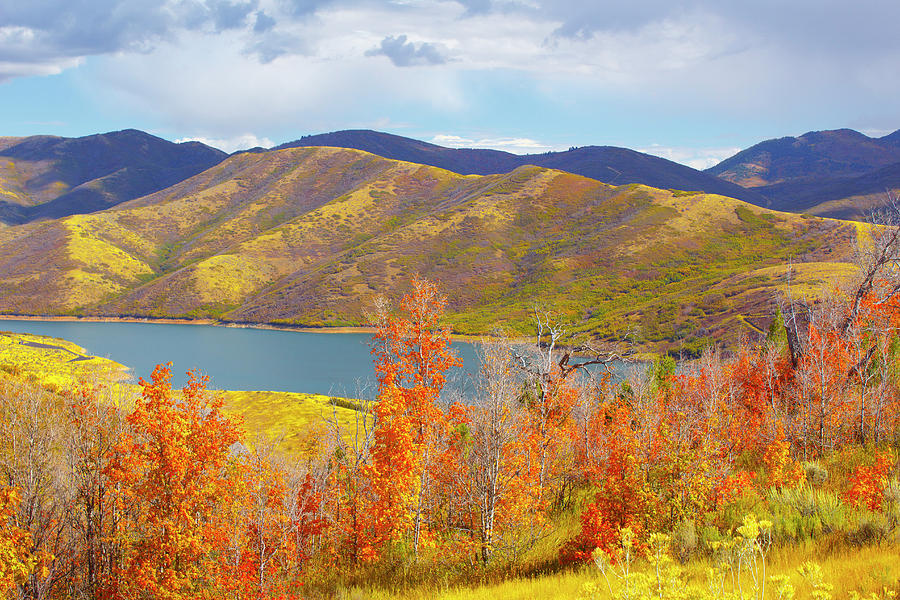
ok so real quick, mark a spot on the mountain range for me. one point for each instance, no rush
(309, 236)
(48, 177)
(127, 224)
(840, 173)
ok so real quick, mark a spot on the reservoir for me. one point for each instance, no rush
(238, 358)
(244, 358)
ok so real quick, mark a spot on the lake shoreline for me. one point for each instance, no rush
(216, 323)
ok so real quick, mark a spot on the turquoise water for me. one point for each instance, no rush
(236, 358)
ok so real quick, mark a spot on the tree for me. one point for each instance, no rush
(97, 425)
(176, 473)
(18, 561)
(412, 354)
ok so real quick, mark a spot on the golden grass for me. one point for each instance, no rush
(799, 280)
(228, 279)
(288, 417)
(865, 570)
(54, 362)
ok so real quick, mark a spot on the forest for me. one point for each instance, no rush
(782, 446)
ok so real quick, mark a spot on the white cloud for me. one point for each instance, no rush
(224, 92)
(697, 158)
(240, 142)
(224, 67)
(514, 145)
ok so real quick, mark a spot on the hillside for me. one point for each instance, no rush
(811, 157)
(838, 197)
(617, 166)
(49, 177)
(309, 236)
(841, 174)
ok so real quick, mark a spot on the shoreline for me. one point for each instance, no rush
(215, 323)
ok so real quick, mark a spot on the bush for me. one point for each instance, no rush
(816, 474)
(684, 540)
(802, 513)
(871, 528)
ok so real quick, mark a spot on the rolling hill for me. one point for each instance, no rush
(309, 236)
(49, 177)
(609, 164)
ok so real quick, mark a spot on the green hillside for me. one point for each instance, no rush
(309, 236)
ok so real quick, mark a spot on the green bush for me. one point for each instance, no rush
(816, 474)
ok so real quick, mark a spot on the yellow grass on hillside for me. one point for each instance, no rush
(298, 421)
(867, 571)
(803, 280)
(54, 362)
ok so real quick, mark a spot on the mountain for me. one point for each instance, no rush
(840, 173)
(813, 156)
(608, 164)
(48, 177)
(852, 197)
(309, 237)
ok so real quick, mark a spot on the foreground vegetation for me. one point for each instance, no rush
(766, 473)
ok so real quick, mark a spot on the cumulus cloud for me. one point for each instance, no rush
(824, 62)
(37, 37)
(514, 145)
(697, 158)
(240, 142)
(408, 54)
(224, 93)
(263, 22)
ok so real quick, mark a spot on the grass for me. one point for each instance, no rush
(864, 570)
(53, 362)
(296, 420)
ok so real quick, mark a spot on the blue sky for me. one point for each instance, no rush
(693, 81)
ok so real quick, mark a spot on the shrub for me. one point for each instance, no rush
(816, 474)
(684, 540)
(871, 528)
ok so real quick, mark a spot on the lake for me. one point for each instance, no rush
(244, 358)
(236, 358)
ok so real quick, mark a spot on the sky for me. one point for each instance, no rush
(693, 81)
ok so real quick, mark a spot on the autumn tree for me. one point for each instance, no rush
(176, 473)
(96, 425)
(33, 438)
(412, 355)
(18, 560)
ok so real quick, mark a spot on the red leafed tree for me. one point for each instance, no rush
(867, 482)
(175, 470)
(273, 523)
(412, 355)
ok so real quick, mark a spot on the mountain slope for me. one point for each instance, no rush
(839, 197)
(49, 177)
(608, 164)
(811, 157)
(308, 236)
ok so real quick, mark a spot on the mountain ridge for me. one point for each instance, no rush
(609, 164)
(309, 236)
(51, 176)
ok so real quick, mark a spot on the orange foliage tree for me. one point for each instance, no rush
(18, 560)
(176, 474)
(412, 355)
